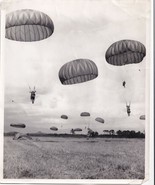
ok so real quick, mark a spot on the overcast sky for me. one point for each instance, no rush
(82, 29)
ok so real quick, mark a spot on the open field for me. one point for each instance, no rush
(74, 158)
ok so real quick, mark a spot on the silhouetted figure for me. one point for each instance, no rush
(124, 83)
(128, 109)
(33, 94)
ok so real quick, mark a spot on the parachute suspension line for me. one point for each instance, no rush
(89, 123)
(85, 122)
(128, 103)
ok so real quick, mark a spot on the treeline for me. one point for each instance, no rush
(106, 134)
(119, 134)
(124, 133)
(130, 134)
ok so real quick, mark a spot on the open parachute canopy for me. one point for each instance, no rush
(54, 128)
(125, 52)
(28, 25)
(78, 71)
(64, 116)
(99, 120)
(85, 114)
(78, 129)
(19, 125)
(142, 117)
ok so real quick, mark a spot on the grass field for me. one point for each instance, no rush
(74, 158)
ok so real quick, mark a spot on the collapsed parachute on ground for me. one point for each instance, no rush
(125, 52)
(78, 71)
(54, 128)
(78, 129)
(20, 136)
(64, 116)
(83, 114)
(142, 117)
(99, 120)
(20, 125)
(28, 25)
(90, 131)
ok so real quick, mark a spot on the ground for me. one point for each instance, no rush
(74, 158)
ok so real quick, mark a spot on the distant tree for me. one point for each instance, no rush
(126, 133)
(119, 133)
(95, 133)
(138, 134)
(142, 135)
(132, 134)
(106, 131)
(111, 132)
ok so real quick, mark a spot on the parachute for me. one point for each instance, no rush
(99, 120)
(28, 25)
(125, 52)
(85, 114)
(21, 136)
(142, 117)
(64, 117)
(78, 129)
(17, 136)
(20, 125)
(78, 71)
(54, 128)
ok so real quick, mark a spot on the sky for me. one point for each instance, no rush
(82, 29)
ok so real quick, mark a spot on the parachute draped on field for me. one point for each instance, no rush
(21, 136)
(64, 116)
(20, 125)
(78, 129)
(90, 131)
(28, 25)
(142, 117)
(83, 114)
(54, 128)
(125, 52)
(78, 71)
(99, 120)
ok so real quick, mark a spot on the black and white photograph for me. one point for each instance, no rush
(75, 90)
